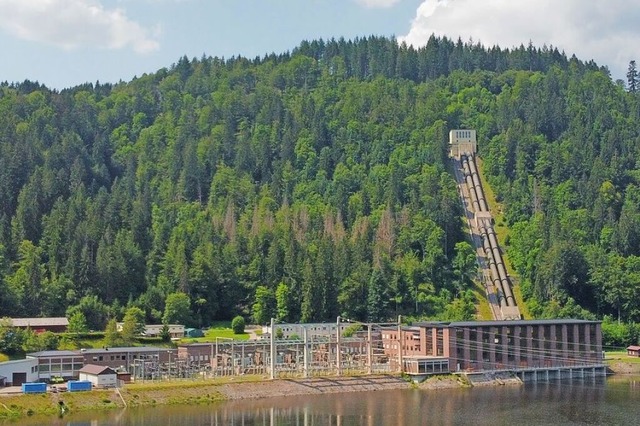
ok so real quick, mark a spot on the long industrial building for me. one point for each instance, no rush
(494, 345)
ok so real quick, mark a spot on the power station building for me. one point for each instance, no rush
(494, 345)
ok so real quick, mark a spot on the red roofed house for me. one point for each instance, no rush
(38, 325)
(633, 350)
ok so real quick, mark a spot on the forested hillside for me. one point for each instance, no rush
(314, 183)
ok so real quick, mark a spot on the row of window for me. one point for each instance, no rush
(463, 134)
(45, 368)
(200, 358)
(119, 357)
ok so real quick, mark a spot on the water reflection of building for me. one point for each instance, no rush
(494, 345)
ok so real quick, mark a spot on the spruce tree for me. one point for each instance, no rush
(632, 77)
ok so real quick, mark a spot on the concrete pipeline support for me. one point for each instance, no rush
(495, 274)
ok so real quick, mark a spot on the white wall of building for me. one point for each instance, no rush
(313, 329)
(103, 380)
(155, 330)
(28, 366)
(462, 141)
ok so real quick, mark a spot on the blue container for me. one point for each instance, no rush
(34, 387)
(79, 385)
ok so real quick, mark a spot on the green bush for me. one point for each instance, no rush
(237, 325)
(619, 335)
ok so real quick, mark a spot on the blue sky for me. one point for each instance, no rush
(62, 43)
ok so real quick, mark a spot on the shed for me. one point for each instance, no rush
(99, 375)
(193, 332)
(124, 376)
(633, 350)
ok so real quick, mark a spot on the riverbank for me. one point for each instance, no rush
(194, 392)
(622, 366)
(189, 392)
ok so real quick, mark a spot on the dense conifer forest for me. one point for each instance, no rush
(315, 183)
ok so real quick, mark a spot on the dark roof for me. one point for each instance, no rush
(18, 361)
(40, 322)
(45, 354)
(129, 349)
(189, 345)
(97, 370)
(506, 322)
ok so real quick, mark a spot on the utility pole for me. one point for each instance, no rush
(400, 343)
(305, 353)
(369, 349)
(211, 365)
(338, 363)
(273, 350)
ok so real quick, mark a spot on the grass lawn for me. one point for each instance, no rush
(219, 329)
(97, 342)
(613, 356)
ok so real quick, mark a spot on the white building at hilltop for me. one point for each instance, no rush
(462, 141)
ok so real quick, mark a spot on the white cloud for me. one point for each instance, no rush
(71, 24)
(377, 3)
(604, 31)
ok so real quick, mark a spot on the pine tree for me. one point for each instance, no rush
(133, 324)
(377, 300)
(111, 333)
(632, 78)
(77, 323)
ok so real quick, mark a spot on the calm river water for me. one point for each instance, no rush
(613, 401)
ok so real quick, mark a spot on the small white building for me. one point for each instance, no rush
(314, 330)
(15, 373)
(99, 375)
(176, 331)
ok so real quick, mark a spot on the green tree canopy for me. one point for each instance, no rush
(177, 309)
(133, 324)
(77, 323)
